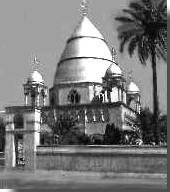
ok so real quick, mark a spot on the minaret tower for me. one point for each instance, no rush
(34, 90)
(113, 81)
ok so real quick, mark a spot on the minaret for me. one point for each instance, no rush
(34, 90)
(112, 81)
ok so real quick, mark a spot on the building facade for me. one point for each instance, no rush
(88, 86)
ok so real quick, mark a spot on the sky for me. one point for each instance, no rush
(41, 28)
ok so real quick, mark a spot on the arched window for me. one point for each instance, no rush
(74, 97)
(18, 121)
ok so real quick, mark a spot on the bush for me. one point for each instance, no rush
(112, 135)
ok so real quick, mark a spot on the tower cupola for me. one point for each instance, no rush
(133, 96)
(34, 90)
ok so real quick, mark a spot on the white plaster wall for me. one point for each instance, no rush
(64, 92)
(114, 95)
(95, 128)
(91, 92)
(98, 89)
(124, 97)
(116, 116)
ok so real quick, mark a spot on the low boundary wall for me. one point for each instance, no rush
(2, 160)
(120, 159)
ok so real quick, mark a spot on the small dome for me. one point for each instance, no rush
(113, 71)
(132, 88)
(35, 77)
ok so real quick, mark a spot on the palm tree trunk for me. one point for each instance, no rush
(155, 97)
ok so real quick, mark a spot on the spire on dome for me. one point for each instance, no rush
(132, 88)
(35, 63)
(113, 51)
(35, 76)
(84, 7)
(130, 75)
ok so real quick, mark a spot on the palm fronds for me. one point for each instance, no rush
(143, 25)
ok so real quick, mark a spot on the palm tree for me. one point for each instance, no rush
(2, 135)
(144, 30)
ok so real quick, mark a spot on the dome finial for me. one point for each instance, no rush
(130, 75)
(132, 88)
(35, 63)
(84, 7)
(113, 54)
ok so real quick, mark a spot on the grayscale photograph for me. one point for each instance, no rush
(83, 100)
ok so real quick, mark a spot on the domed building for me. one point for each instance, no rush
(88, 86)
(83, 63)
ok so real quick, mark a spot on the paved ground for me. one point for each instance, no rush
(77, 180)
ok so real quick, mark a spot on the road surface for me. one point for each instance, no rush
(80, 180)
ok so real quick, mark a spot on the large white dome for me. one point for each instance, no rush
(86, 56)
